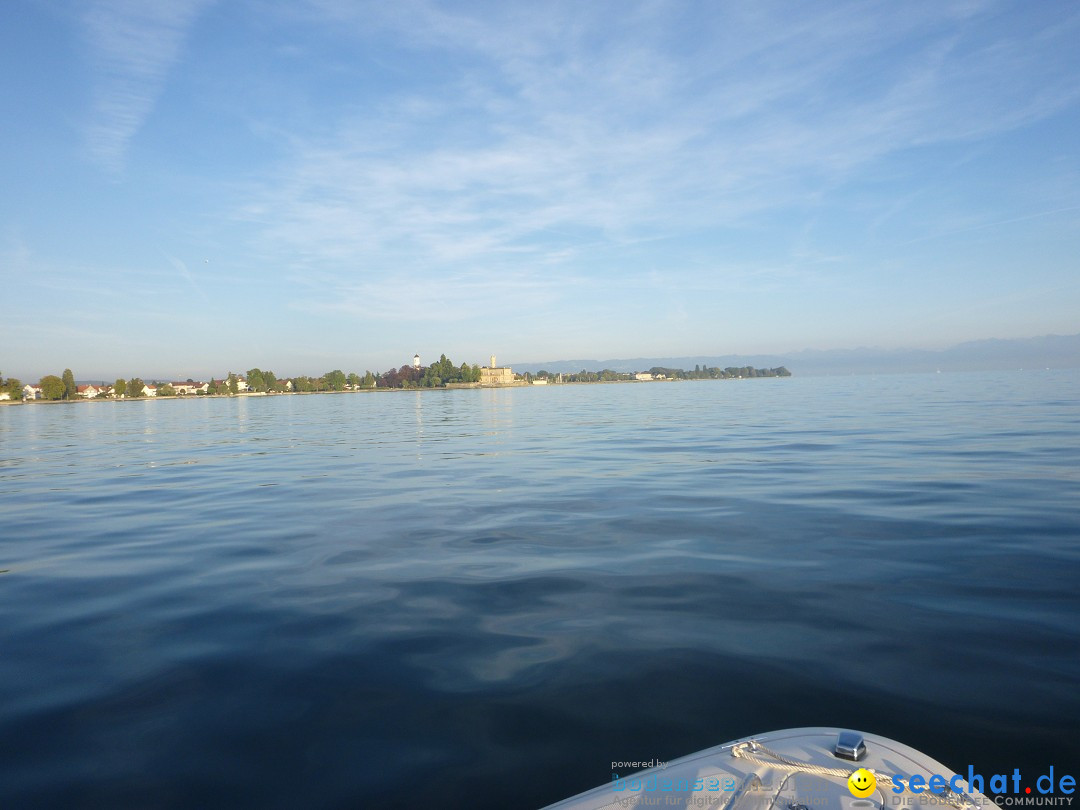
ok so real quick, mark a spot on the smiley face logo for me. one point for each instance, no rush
(861, 783)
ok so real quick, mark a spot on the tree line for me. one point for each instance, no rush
(607, 375)
(437, 375)
(52, 387)
(699, 373)
(714, 373)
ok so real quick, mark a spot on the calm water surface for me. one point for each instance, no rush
(481, 598)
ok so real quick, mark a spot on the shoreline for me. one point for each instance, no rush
(450, 387)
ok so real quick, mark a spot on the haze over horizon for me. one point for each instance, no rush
(195, 186)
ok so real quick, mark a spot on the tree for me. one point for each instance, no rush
(270, 380)
(12, 386)
(255, 380)
(52, 387)
(368, 381)
(335, 380)
(70, 390)
(233, 383)
(135, 387)
(166, 390)
(119, 388)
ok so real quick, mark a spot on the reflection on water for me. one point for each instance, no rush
(310, 600)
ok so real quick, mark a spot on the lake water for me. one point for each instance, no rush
(480, 598)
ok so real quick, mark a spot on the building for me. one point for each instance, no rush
(241, 384)
(416, 361)
(643, 376)
(494, 375)
(190, 388)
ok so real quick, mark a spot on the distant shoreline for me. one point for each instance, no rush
(450, 387)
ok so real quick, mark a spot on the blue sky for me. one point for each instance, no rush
(196, 187)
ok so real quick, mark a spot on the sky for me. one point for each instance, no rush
(189, 187)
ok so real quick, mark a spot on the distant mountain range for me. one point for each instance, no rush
(1049, 351)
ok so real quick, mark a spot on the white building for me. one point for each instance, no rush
(189, 388)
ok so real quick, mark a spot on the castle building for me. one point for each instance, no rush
(494, 375)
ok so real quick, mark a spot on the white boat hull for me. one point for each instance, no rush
(795, 769)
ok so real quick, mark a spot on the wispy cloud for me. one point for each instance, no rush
(981, 226)
(455, 298)
(182, 270)
(566, 132)
(15, 253)
(132, 46)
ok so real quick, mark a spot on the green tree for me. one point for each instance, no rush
(70, 390)
(12, 386)
(119, 388)
(335, 380)
(270, 380)
(368, 381)
(52, 387)
(233, 383)
(135, 387)
(255, 380)
(353, 380)
(166, 390)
